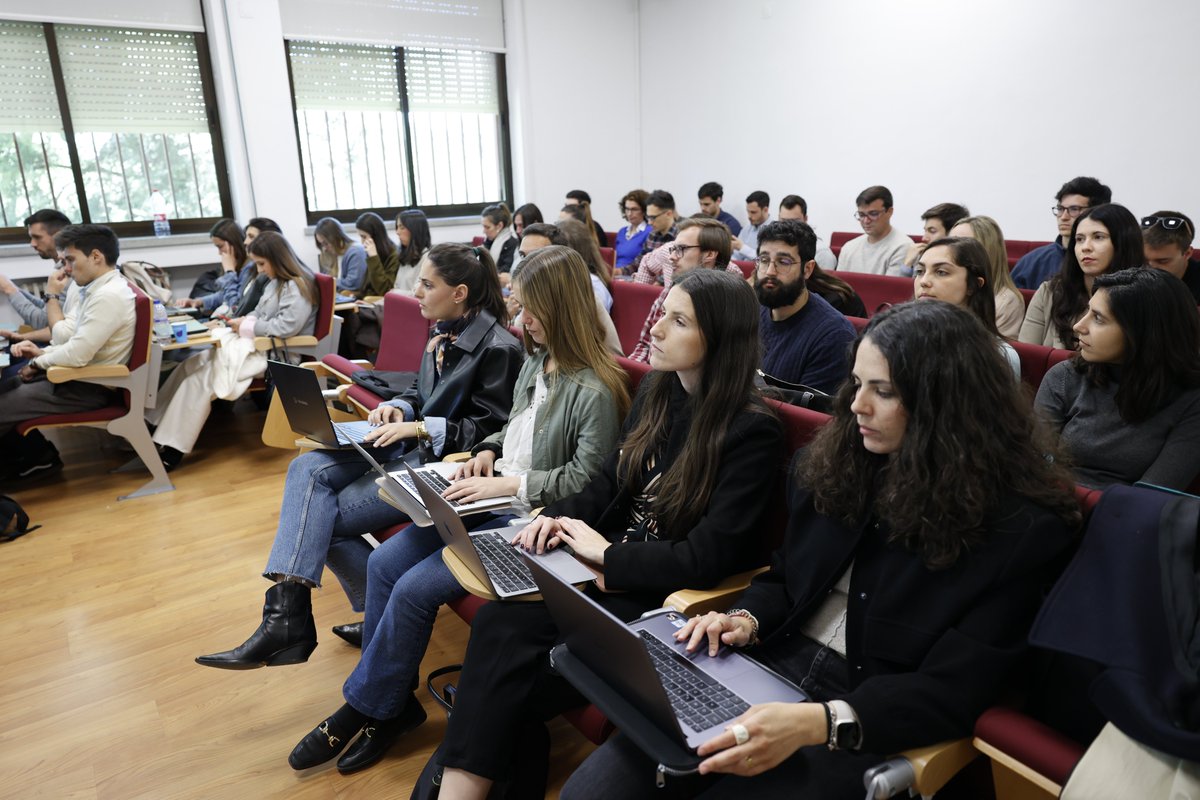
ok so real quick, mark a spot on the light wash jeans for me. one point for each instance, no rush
(330, 500)
(407, 582)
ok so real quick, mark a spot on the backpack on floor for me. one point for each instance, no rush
(14, 522)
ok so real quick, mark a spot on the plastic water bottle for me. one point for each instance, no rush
(158, 205)
(161, 321)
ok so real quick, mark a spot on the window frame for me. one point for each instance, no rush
(433, 212)
(138, 228)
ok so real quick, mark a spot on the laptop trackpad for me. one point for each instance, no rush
(565, 566)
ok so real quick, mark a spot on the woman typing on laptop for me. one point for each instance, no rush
(679, 504)
(567, 409)
(462, 395)
(922, 535)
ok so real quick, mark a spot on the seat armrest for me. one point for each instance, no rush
(91, 372)
(458, 458)
(718, 598)
(936, 764)
(264, 343)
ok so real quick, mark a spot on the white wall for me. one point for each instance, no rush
(992, 103)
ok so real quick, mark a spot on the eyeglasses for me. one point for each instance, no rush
(1072, 211)
(861, 215)
(653, 217)
(782, 263)
(631, 209)
(1168, 223)
(680, 250)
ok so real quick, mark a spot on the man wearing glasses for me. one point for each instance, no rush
(1167, 239)
(1038, 266)
(660, 213)
(703, 243)
(805, 340)
(881, 248)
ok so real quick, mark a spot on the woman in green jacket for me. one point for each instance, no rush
(383, 259)
(568, 405)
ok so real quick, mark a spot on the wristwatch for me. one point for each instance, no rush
(844, 730)
(59, 296)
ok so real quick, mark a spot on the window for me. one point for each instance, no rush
(383, 128)
(92, 119)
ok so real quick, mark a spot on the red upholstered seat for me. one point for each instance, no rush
(631, 305)
(1038, 746)
(401, 345)
(839, 238)
(610, 257)
(1027, 295)
(1036, 360)
(478, 240)
(327, 295)
(879, 291)
(859, 323)
(611, 237)
(747, 267)
(636, 370)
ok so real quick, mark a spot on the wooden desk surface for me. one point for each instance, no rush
(193, 341)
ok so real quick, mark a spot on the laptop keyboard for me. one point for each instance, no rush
(502, 563)
(696, 698)
(350, 432)
(431, 479)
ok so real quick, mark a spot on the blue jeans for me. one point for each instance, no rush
(407, 582)
(329, 501)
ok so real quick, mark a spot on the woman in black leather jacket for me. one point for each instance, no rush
(462, 395)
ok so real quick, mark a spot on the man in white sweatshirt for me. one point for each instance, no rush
(881, 248)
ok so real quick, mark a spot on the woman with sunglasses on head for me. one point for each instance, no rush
(1128, 405)
(567, 409)
(462, 395)
(1104, 238)
(904, 591)
(955, 270)
(680, 503)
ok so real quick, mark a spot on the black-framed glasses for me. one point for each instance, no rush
(1072, 211)
(1167, 223)
(652, 217)
(782, 263)
(680, 250)
(630, 209)
(861, 215)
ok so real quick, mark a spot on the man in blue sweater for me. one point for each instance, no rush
(1038, 266)
(805, 340)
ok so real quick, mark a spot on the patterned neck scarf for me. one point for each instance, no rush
(445, 333)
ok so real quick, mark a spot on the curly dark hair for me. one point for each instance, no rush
(972, 439)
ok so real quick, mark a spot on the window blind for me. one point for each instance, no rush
(451, 80)
(463, 24)
(172, 15)
(344, 77)
(28, 100)
(132, 81)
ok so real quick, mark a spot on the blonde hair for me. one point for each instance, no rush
(986, 231)
(554, 287)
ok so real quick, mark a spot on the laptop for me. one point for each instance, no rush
(402, 488)
(166, 330)
(489, 555)
(691, 698)
(300, 394)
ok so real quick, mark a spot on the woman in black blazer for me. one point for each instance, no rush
(679, 504)
(923, 531)
(462, 395)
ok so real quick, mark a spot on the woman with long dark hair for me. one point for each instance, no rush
(523, 217)
(383, 259)
(922, 534)
(1128, 405)
(679, 503)
(462, 394)
(1104, 238)
(498, 234)
(237, 270)
(568, 405)
(412, 229)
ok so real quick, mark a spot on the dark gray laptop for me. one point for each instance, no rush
(490, 556)
(691, 697)
(302, 401)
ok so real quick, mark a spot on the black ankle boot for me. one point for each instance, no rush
(287, 635)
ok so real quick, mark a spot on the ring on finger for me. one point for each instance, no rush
(749, 759)
(740, 734)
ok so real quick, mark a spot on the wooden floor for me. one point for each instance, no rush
(103, 609)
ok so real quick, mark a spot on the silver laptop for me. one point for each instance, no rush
(300, 394)
(402, 488)
(690, 697)
(489, 555)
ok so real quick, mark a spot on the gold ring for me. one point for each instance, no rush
(749, 759)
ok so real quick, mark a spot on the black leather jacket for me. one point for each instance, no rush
(475, 391)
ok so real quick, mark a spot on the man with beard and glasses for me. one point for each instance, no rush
(805, 340)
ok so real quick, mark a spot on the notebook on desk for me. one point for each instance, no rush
(300, 395)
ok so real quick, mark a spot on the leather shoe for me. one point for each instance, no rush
(378, 736)
(351, 633)
(321, 744)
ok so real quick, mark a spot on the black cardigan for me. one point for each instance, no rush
(927, 649)
(727, 537)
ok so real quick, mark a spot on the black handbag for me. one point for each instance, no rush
(384, 383)
(796, 394)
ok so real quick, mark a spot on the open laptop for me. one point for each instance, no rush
(690, 698)
(300, 394)
(489, 555)
(402, 488)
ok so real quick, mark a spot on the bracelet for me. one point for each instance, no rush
(61, 298)
(741, 612)
(423, 432)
